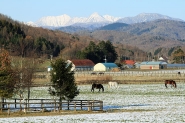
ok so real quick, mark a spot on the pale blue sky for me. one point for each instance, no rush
(32, 10)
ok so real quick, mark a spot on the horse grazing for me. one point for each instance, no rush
(113, 84)
(101, 73)
(97, 86)
(179, 73)
(171, 82)
(93, 73)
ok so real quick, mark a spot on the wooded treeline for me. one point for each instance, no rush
(27, 41)
(17, 41)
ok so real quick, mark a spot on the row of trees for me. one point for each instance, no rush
(16, 78)
(179, 56)
(14, 39)
(100, 52)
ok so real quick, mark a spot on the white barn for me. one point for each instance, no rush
(105, 66)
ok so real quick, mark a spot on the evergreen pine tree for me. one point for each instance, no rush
(63, 80)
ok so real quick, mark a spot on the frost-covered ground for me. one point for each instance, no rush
(145, 103)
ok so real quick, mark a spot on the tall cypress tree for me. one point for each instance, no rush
(63, 80)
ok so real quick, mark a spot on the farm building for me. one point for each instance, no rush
(105, 66)
(82, 64)
(153, 65)
(128, 63)
(176, 66)
(163, 58)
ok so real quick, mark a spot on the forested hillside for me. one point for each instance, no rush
(147, 36)
(15, 38)
(23, 40)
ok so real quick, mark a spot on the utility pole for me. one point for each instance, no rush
(105, 59)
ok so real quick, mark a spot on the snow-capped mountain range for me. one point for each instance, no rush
(95, 20)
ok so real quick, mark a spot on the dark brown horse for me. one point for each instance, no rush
(171, 82)
(101, 73)
(97, 86)
(179, 73)
(93, 73)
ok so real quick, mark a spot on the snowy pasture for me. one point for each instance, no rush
(137, 103)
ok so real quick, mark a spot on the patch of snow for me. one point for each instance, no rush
(150, 103)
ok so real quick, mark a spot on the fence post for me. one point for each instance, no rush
(101, 105)
(1, 106)
(42, 105)
(89, 106)
(81, 104)
(15, 104)
(8, 109)
(68, 105)
(75, 106)
(25, 107)
(59, 107)
(55, 105)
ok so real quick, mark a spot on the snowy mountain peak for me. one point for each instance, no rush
(111, 18)
(94, 20)
(95, 17)
(54, 21)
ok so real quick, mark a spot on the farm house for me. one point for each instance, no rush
(153, 65)
(82, 64)
(105, 66)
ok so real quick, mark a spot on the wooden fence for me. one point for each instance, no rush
(133, 73)
(130, 77)
(158, 73)
(43, 105)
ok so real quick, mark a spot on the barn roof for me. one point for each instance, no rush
(129, 62)
(109, 64)
(153, 63)
(82, 62)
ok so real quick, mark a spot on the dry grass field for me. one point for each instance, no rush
(129, 77)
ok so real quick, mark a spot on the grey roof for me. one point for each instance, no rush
(175, 65)
(153, 63)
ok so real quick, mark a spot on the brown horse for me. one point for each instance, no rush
(171, 82)
(97, 86)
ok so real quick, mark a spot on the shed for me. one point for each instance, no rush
(105, 66)
(176, 66)
(129, 62)
(153, 65)
(82, 64)
(163, 58)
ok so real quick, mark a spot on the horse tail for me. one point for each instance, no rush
(102, 88)
(175, 84)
